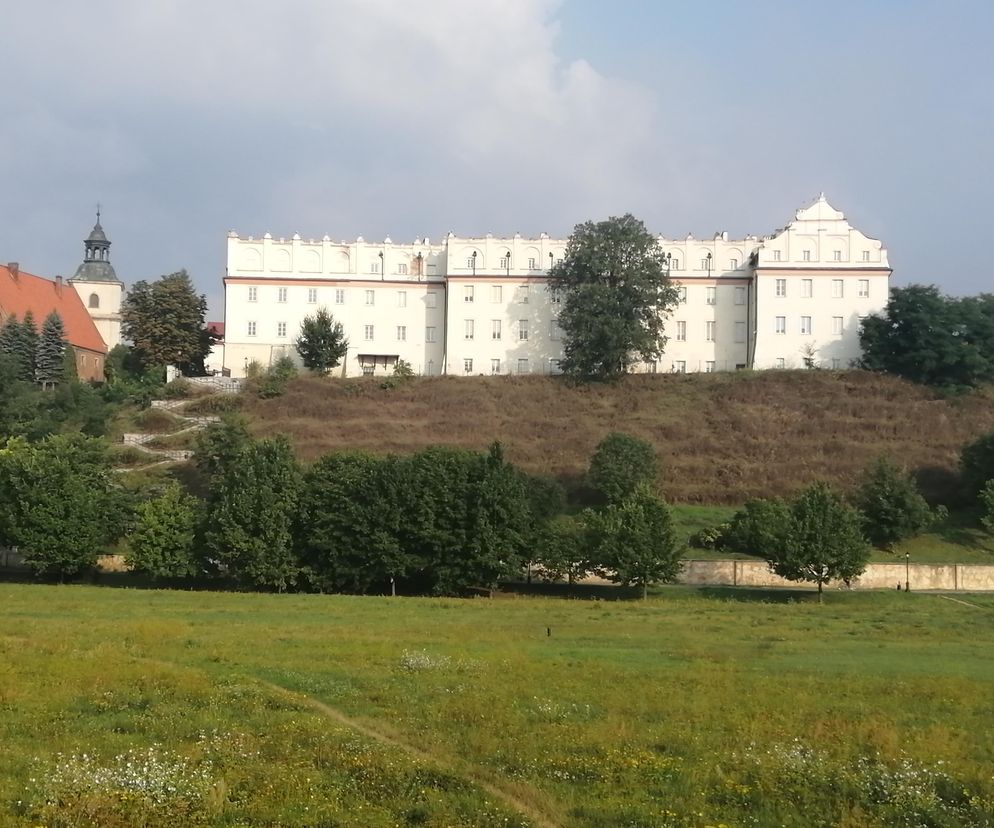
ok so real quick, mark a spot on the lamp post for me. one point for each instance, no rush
(551, 260)
(473, 257)
(507, 262)
(381, 266)
(709, 264)
(907, 571)
(421, 263)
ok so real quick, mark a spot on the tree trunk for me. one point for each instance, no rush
(819, 591)
(645, 590)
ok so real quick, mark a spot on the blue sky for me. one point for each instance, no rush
(376, 118)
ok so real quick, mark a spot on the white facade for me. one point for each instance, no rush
(102, 301)
(481, 305)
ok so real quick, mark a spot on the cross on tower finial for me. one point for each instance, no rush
(98, 212)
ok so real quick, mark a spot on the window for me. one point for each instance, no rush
(401, 298)
(864, 288)
(712, 295)
(505, 262)
(495, 326)
(370, 297)
(532, 264)
(680, 366)
(281, 328)
(706, 265)
(837, 325)
(469, 328)
(837, 255)
(781, 287)
(522, 330)
(471, 262)
(523, 365)
(495, 366)
(740, 296)
(312, 296)
(806, 325)
(776, 255)
(339, 296)
(368, 333)
(836, 363)
(496, 293)
(429, 334)
(95, 300)
(781, 326)
(402, 269)
(253, 294)
(368, 369)
(837, 289)
(374, 267)
(431, 299)
(709, 331)
(467, 366)
(281, 294)
(709, 367)
(402, 333)
(682, 295)
(555, 366)
(554, 296)
(251, 329)
(807, 288)
(555, 332)
(866, 255)
(430, 367)
(674, 263)
(733, 264)
(781, 363)
(521, 294)
(806, 256)
(681, 331)
(468, 293)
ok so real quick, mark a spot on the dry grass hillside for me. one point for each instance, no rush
(722, 438)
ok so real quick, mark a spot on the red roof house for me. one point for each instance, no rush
(21, 292)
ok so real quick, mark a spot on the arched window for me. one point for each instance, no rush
(94, 300)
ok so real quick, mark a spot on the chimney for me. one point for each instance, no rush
(14, 268)
(58, 285)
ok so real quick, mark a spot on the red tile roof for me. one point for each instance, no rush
(216, 328)
(26, 292)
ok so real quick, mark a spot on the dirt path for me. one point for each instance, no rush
(460, 768)
(964, 603)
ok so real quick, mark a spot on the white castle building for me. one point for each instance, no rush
(482, 305)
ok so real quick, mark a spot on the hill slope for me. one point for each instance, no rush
(722, 438)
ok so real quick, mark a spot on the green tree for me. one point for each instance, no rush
(164, 320)
(758, 529)
(930, 338)
(19, 340)
(615, 295)
(824, 540)
(620, 464)
(349, 524)
(219, 445)
(892, 507)
(633, 541)
(987, 506)
(976, 463)
(57, 504)
(50, 367)
(163, 540)
(561, 549)
(321, 344)
(251, 515)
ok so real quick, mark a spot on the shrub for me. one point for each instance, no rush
(178, 389)
(620, 464)
(215, 404)
(760, 527)
(987, 503)
(710, 537)
(892, 507)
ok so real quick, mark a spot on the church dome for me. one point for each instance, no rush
(96, 266)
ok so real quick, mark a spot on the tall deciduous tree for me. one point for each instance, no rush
(321, 344)
(620, 464)
(823, 542)
(615, 295)
(633, 541)
(892, 507)
(252, 512)
(930, 338)
(164, 320)
(50, 362)
(57, 504)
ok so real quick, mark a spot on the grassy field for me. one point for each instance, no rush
(722, 438)
(127, 707)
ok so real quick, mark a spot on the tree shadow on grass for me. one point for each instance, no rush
(758, 595)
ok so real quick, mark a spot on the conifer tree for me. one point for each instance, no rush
(50, 366)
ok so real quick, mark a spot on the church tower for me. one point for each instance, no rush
(98, 286)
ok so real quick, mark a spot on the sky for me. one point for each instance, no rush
(407, 118)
